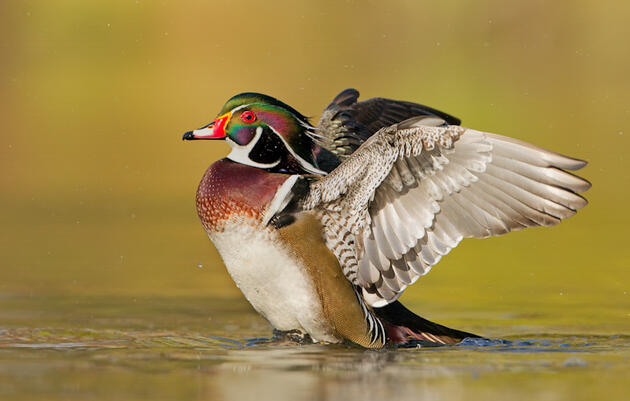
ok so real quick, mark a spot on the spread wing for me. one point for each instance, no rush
(411, 192)
(346, 123)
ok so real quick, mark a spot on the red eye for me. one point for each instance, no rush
(248, 117)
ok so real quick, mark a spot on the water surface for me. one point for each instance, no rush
(205, 349)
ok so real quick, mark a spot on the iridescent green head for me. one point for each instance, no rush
(264, 132)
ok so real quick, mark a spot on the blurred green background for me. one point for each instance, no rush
(98, 188)
(110, 289)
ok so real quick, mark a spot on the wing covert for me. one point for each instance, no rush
(411, 193)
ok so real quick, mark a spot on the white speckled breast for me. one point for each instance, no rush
(233, 200)
(272, 279)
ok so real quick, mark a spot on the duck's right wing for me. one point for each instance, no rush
(411, 192)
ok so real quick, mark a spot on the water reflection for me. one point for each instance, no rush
(105, 348)
(337, 372)
(189, 365)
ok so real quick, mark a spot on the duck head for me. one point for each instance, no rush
(264, 132)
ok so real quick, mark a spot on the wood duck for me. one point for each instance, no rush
(322, 228)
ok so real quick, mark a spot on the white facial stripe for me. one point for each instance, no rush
(309, 128)
(240, 107)
(307, 166)
(240, 153)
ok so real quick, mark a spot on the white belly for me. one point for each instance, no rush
(272, 279)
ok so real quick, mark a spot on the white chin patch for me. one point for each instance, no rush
(240, 153)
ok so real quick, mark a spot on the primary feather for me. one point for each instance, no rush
(413, 190)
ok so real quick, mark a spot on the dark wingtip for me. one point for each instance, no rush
(586, 184)
(347, 97)
(581, 163)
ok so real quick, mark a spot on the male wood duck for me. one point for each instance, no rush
(322, 228)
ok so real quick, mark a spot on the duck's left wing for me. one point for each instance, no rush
(411, 192)
(347, 122)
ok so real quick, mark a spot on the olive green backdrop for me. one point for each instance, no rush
(98, 188)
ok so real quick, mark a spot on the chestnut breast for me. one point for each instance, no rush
(228, 190)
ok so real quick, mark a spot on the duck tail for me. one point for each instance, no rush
(405, 327)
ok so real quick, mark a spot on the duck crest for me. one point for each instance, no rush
(230, 190)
